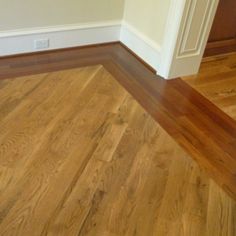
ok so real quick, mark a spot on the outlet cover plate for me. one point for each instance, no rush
(41, 44)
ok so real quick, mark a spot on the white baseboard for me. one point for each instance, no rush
(141, 45)
(22, 41)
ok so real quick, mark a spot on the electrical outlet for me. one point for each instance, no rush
(41, 43)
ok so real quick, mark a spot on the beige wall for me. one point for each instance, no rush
(148, 16)
(17, 14)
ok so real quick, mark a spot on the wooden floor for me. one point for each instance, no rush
(205, 132)
(80, 156)
(217, 82)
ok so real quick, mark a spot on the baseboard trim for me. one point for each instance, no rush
(59, 50)
(15, 43)
(22, 41)
(142, 46)
(138, 58)
(220, 47)
(58, 28)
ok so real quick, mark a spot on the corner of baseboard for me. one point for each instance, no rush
(22, 41)
(141, 45)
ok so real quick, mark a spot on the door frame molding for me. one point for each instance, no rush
(187, 30)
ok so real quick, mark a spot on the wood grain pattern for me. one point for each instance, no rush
(80, 156)
(222, 38)
(217, 82)
(197, 125)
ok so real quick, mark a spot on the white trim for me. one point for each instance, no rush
(57, 28)
(171, 35)
(183, 51)
(176, 58)
(22, 41)
(141, 45)
(141, 36)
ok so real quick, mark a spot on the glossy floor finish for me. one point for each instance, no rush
(80, 156)
(217, 82)
(197, 125)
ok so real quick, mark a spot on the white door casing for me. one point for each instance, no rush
(187, 31)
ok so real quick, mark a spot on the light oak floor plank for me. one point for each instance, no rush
(80, 156)
(217, 82)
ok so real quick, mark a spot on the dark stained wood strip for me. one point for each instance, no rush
(202, 129)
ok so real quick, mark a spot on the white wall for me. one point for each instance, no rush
(21, 14)
(148, 17)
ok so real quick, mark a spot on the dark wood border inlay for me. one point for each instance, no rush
(220, 47)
